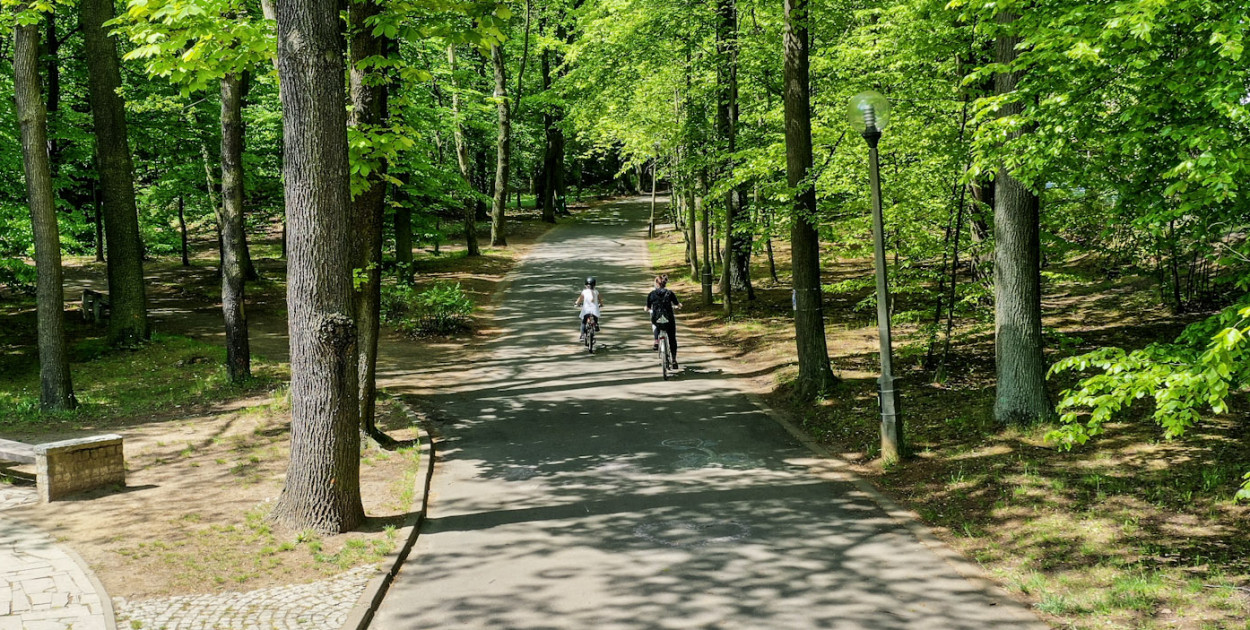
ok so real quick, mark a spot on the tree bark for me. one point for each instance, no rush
(815, 376)
(369, 111)
(182, 231)
(52, 53)
(128, 322)
(56, 391)
(692, 227)
(700, 205)
(230, 221)
(462, 158)
(99, 222)
(1021, 395)
(655, 164)
(498, 228)
(403, 239)
(322, 490)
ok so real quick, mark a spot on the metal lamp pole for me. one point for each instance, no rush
(891, 424)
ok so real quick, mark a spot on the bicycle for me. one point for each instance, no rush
(592, 323)
(666, 357)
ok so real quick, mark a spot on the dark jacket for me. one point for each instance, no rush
(661, 302)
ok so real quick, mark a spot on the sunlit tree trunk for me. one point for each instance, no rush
(498, 227)
(462, 158)
(1021, 395)
(815, 376)
(56, 392)
(230, 221)
(322, 490)
(369, 112)
(128, 323)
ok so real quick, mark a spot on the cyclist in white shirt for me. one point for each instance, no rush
(591, 302)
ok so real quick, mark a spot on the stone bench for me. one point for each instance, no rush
(70, 466)
(95, 305)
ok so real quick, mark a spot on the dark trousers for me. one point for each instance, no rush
(671, 330)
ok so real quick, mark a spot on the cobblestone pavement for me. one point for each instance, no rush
(12, 496)
(41, 587)
(319, 605)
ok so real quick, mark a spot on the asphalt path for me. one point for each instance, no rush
(577, 491)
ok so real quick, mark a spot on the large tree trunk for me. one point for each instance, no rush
(1021, 397)
(462, 158)
(369, 111)
(128, 323)
(498, 229)
(322, 489)
(230, 221)
(815, 376)
(56, 392)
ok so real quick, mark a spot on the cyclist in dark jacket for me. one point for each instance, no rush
(660, 303)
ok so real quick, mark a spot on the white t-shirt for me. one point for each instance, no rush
(590, 302)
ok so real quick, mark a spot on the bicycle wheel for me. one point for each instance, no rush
(664, 355)
(590, 340)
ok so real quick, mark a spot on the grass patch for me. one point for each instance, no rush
(168, 373)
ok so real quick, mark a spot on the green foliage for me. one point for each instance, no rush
(441, 309)
(1194, 375)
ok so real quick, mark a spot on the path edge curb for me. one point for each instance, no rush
(361, 615)
(106, 602)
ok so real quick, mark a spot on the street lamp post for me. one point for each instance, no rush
(869, 113)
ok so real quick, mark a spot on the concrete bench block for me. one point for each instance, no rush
(72, 466)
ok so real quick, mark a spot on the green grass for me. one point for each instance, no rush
(165, 374)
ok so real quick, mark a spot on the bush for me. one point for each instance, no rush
(442, 309)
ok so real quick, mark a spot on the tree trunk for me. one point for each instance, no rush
(1021, 397)
(547, 201)
(56, 392)
(182, 231)
(498, 229)
(655, 164)
(230, 221)
(322, 490)
(403, 240)
(99, 222)
(462, 158)
(52, 55)
(128, 323)
(369, 111)
(736, 272)
(700, 203)
(692, 227)
(815, 376)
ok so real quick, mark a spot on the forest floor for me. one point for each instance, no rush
(205, 459)
(1128, 531)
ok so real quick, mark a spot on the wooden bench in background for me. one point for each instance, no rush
(95, 305)
(70, 466)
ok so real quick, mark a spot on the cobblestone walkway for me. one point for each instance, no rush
(319, 605)
(42, 588)
(12, 496)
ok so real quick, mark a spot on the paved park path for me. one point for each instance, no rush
(578, 491)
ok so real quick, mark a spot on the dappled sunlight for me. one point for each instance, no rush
(576, 490)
